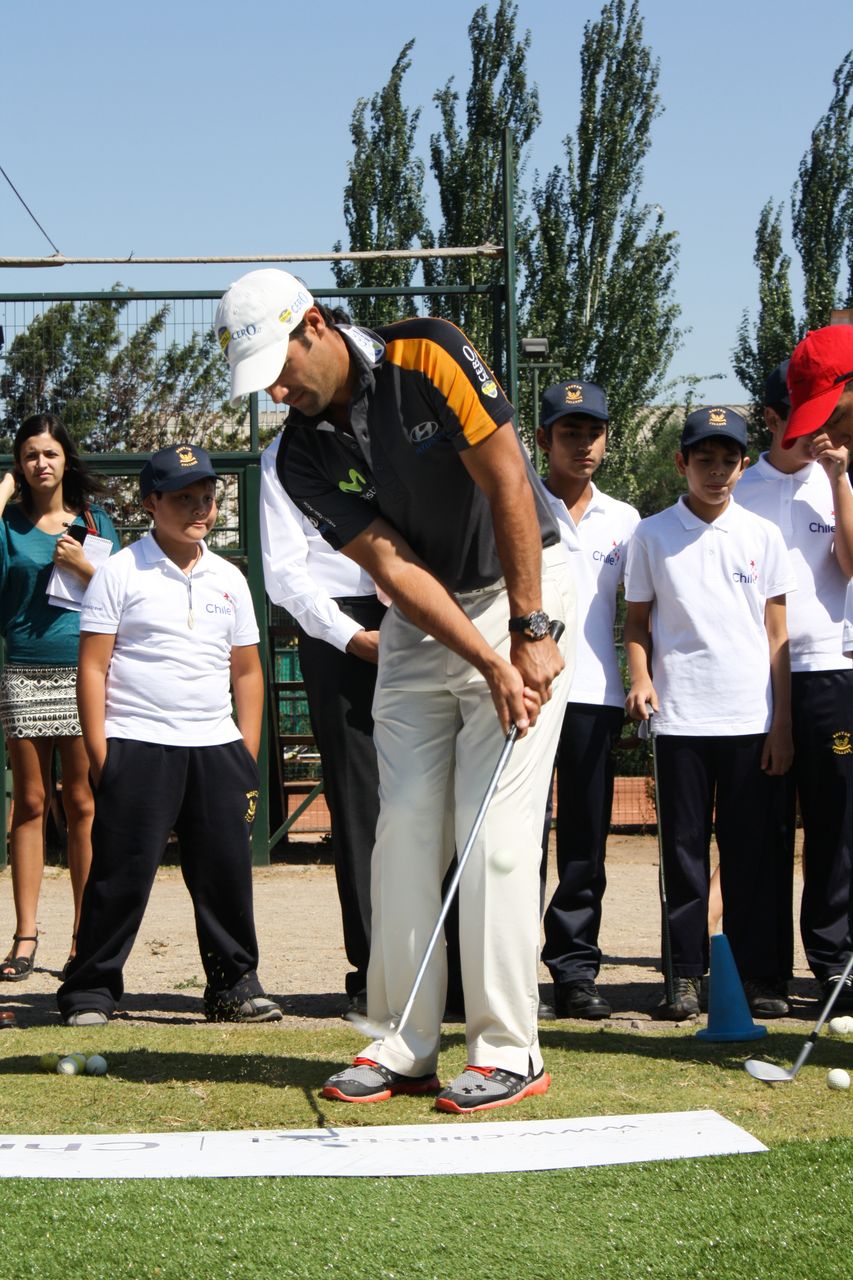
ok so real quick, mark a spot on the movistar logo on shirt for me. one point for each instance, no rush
(355, 483)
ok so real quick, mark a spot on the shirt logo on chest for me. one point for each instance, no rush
(354, 484)
(748, 578)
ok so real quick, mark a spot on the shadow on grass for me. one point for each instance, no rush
(147, 1066)
(778, 1045)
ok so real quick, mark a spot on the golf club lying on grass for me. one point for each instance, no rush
(768, 1070)
(378, 1030)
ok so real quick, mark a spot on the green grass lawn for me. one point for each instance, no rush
(785, 1214)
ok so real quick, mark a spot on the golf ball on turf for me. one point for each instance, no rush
(49, 1061)
(837, 1079)
(842, 1026)
(96, 1065)
(68, 1067)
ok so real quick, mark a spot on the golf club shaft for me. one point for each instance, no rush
(509, 743)
(755, 1068)
(666, 939)
(556, 629)
(825, 1012)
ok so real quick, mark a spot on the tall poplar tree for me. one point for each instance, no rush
(601, 265)
(383, 199)
(467, 162)
(822, 205)
(760, 348)
(822, 228)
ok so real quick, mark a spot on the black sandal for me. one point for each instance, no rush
(21, 966)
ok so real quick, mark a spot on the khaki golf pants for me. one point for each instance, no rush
(438, 739)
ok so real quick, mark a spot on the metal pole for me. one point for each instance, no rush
(510, 310)
(537, 452)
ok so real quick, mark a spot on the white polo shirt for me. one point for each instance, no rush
(847, 632)
(596, 549)
(169, 682)
(802, 507)
(708, 584)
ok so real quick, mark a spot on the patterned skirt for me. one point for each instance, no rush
(39, 702)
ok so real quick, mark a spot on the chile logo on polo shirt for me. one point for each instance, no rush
(611, 557)
(749, 578)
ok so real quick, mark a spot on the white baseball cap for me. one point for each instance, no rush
(254, 320)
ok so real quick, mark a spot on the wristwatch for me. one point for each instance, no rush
(535, 625)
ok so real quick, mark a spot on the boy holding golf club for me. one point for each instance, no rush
(706, 643)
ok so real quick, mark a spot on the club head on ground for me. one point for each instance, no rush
(767, 1071)
(371, 1027)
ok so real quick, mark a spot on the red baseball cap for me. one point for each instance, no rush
(819, 369)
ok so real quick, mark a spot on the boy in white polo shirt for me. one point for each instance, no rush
(706, 644)
(595, 530)
(804, 490)
(166, 634)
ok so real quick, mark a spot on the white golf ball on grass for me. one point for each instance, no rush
(96, 1065)
(842, 1026)
(837, 1078)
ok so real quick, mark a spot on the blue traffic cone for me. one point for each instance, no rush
(729, 1017)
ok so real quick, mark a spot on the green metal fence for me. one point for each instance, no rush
(172, 322)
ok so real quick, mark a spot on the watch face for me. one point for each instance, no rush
(538, 624)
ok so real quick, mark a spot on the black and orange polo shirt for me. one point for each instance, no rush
(423, 396)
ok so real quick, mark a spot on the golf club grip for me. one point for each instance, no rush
(556, 629)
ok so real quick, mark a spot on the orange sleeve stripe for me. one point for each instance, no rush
(463, 400)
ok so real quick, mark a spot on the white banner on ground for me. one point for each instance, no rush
(377, 1151)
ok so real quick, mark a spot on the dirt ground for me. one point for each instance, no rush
(302, 957)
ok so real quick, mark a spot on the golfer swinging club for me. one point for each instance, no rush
(400, 447)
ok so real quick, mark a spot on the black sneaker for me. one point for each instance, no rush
(844, 1002)
(684, 1003)
(253, 1009)
(766, 998)
(369, 1081)
(580, 999)
(482, 1088)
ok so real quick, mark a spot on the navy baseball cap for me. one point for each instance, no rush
(776, 386)
(573, 397)
(714, 421)
(175, 468)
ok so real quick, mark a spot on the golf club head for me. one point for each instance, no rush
(767, 1071)
(371, 1027)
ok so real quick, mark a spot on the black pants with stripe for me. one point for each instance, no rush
(207, 796)
(822, 711)
(584, 804)
(339, 688)
(704, 780)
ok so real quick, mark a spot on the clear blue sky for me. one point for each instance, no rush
(192, 128)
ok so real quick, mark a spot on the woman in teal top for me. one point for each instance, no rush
(38, 704)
